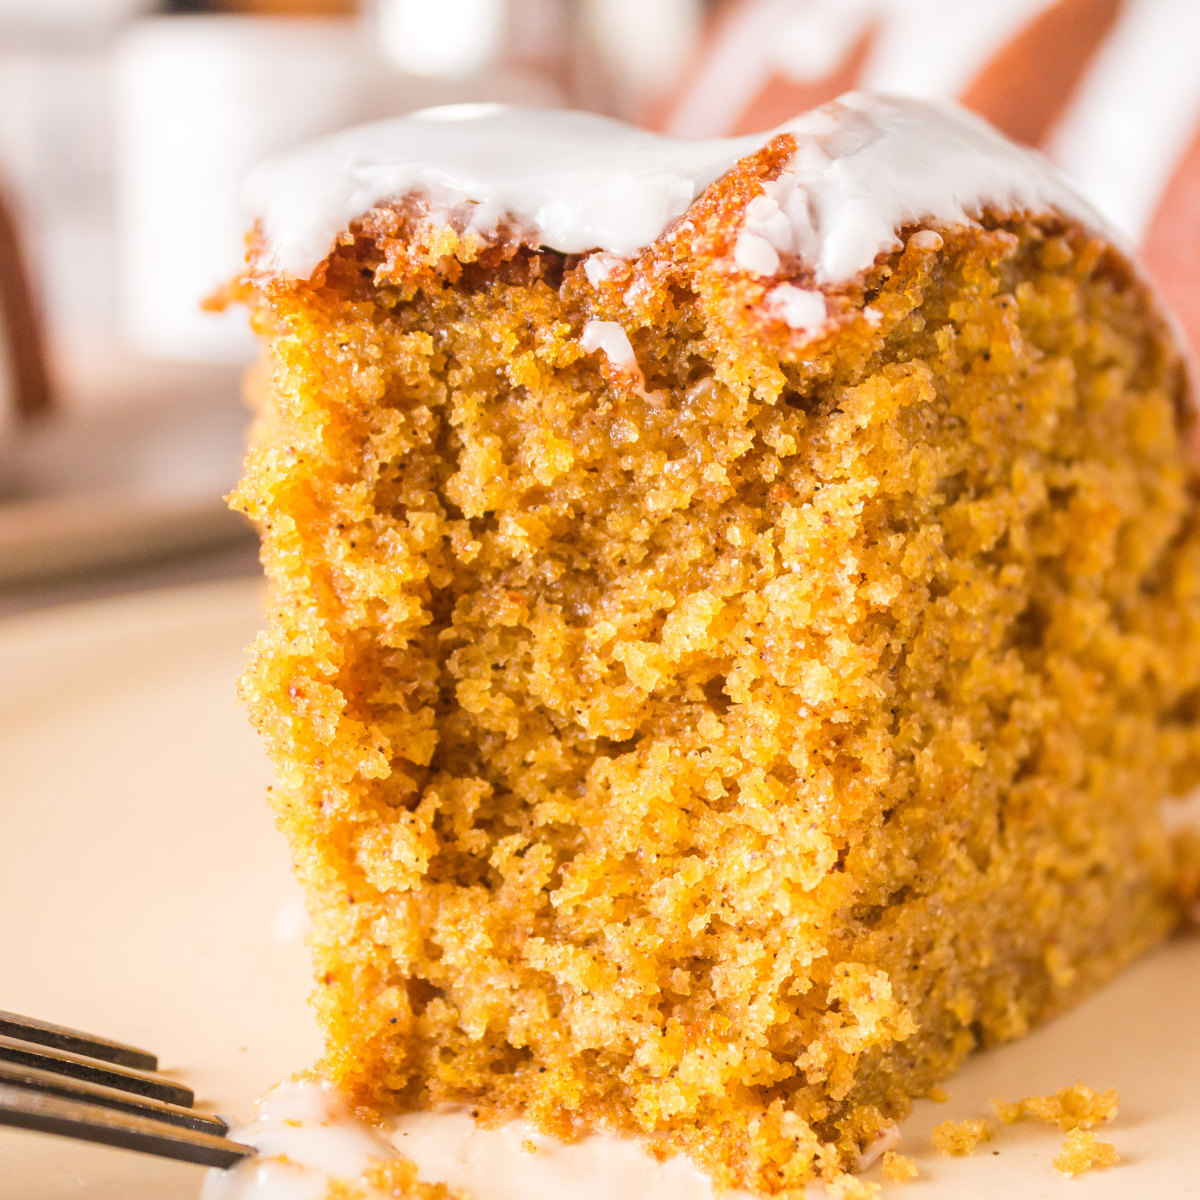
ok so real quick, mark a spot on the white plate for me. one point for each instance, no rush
(145, 895)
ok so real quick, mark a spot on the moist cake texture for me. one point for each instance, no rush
(700, 725)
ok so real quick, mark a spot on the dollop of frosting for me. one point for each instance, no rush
(864, 166)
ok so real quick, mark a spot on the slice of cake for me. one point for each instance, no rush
(735, 611)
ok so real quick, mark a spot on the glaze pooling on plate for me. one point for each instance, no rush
(575, 182)
(308, 1139)
(514, 1161)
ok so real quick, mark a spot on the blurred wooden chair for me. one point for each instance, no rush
(21, 328)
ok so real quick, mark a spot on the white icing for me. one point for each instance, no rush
(266, 1179)
(610, 337)
(1120, 138)
(497, 1164)
(308, 1139)
(599, 268)
(613, 340)
(577, 182)
(926, 239)
(888, 1138)
(581, 181)
(305, 1137)
(797, 308)
(755, 254)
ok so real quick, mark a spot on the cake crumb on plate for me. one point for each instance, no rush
(1075, 1107)
(961, 1137)
(1082, 1151)
(850, 1187)
(898, 1167)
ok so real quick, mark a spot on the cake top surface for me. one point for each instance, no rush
(863, 166)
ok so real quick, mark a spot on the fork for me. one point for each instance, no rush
(59, 1080)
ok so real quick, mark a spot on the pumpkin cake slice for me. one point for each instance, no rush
(735, 613)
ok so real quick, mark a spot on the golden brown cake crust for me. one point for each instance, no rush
(723, 758)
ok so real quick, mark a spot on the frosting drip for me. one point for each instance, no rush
(863, 166)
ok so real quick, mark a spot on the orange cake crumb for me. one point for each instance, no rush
(1082, 1151)
(961, 1137)
(1075, 1107)
(395, 1178)
(850, 1187)
(898, 1167)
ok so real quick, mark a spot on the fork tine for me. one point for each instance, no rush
(59, 1037)
(62, 1062)
(37, 1080)
(91, 1123)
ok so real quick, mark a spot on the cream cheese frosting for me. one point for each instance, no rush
(863, 166)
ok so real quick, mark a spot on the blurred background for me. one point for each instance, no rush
(126, 127)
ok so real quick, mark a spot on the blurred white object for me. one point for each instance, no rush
(642, 45)
(443, 39)
(199, 100)
(1136, 111)
(55, 146)
(928, 48)
(67, 19)
(809, 49)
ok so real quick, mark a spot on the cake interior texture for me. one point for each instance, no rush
(719, 749)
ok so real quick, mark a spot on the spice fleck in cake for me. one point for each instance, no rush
(735, 612)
